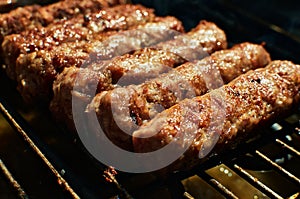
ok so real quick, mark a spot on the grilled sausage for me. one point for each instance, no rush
(83, 83)
(36, 71)
(195, 125)
(142, 102)
(83, 27)
(209, 38)
(132, 68)
(33, 16)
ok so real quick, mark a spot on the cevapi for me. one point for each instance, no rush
(87, 27)
(36, 71)
(251, 100)
(132, 68)
(34, 16)
(122, 110)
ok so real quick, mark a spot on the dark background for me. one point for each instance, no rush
(284, 13)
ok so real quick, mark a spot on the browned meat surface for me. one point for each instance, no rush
(83, 27)
(18, 20)
(191, 79)
(84, 83)
(251, 100)
(203, 40)
(36, 71)
(34, 16)
(81, 83)
(143, 64)
(133, 68)
(70, 8)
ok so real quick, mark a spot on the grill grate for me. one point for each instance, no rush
(288, 147)
(259, 183)
(215, 183)
(279, 168)
(12, 181)
(80, 175)
(13, 119)
(233, 164)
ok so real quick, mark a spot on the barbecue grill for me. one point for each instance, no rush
(39, 159)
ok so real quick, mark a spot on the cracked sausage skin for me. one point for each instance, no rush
(249, 101)
(86, 27)
(132, 68)
(139, 103)
(36, 71)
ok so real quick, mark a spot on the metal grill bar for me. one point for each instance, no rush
(12, 181)
(61, 181)
(223, 188)
(216, 184)
(109, 175)
(288, 147)
(274, 164)
(257, 182)
(295, 196)
(187, 195)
